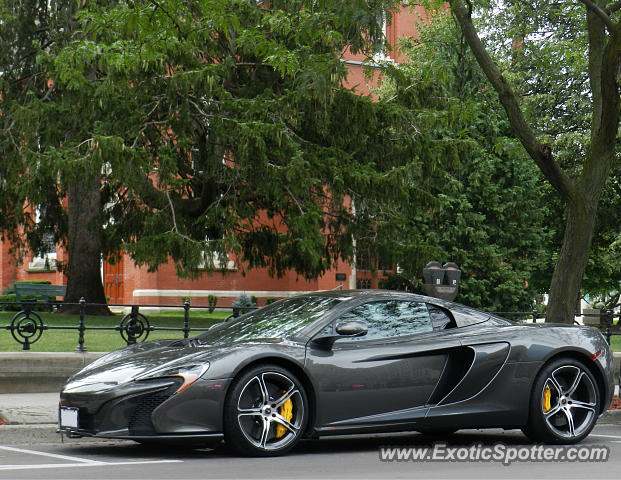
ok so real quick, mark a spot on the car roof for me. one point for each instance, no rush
(374, 293)
(465, 315)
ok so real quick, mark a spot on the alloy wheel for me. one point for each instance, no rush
(569, 401)
(266, 412)
(565, 403)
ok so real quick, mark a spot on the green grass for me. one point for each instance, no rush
(101, 340)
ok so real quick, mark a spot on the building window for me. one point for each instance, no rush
(45, 261)
(213, 261)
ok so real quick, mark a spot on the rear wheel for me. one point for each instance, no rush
(266, 411)
(564, 403)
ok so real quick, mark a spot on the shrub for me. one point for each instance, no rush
(8, 295)
(11, 297)
(242, 305)
(16, 307)
(212, 301)
(269, 300)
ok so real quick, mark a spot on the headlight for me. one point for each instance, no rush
(189, 373)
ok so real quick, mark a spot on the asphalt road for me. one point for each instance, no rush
(342, 457)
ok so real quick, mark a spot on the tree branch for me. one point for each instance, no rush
(294, 199)
(597, 43)
(604, 137)
(172, 19)
(540, 153)
(613, 8)
(603, 16)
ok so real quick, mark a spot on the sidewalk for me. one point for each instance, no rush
(28, 408)
(28, 418)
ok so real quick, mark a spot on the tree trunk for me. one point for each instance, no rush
(572, 260)
(84, 247)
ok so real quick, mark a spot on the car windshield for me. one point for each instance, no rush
(279, 320)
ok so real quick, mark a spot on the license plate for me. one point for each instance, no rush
(68, 417)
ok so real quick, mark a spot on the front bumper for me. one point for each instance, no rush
(148, 410)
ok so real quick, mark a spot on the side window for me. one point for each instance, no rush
(389, 319)
(440, 318)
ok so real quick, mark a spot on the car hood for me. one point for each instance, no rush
(128, 363)
(124, 365)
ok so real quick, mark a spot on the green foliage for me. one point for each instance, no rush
(243, 304)
(212, 301)
(210, 125)
(399, 282)
(552, 38)
(245, 301)
(488, 215)
(7, 300)
(11, 298)
(602, 280)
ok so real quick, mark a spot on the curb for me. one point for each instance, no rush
(37, 372)
(610, 417)
(29, 434)
(41, 434)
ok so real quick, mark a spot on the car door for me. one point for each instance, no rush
(384, 377)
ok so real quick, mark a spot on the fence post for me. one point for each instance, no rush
(186, 318)
(608, 325)
(535, 315)
(81, 327)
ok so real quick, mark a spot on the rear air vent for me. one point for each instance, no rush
(457, 365)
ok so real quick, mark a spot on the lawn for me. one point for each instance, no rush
(102, 340)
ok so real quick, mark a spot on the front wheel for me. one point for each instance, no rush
(564, 404)
(266, 411)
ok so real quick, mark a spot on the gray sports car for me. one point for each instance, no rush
(331, 363)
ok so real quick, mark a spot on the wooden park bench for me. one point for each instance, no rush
(45, 290)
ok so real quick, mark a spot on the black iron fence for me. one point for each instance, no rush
(27, 327)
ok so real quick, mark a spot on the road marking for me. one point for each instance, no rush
(606, 436)
(78, 461)
(51, 455)
(90, 464)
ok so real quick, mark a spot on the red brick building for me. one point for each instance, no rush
(125, 283)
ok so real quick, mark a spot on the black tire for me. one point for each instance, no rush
(567, 412)
(256, 411)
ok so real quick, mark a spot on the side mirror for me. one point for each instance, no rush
(345, 329)
(352, 328)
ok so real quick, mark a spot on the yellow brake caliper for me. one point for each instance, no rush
(547, 395)
(286, 410)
